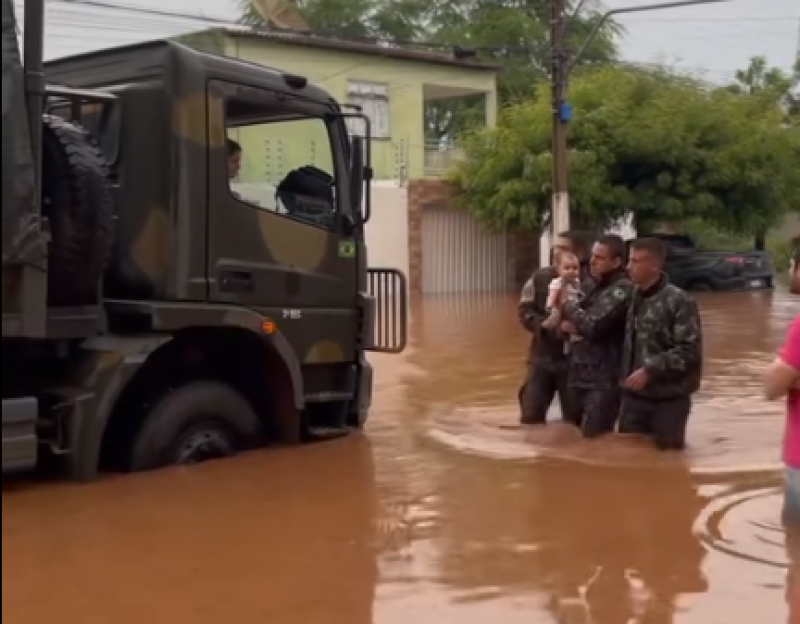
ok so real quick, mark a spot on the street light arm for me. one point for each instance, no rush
(634, 9)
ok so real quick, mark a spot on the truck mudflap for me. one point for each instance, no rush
(19, 434)
(385, 311)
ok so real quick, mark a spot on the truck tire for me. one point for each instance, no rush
(77, 200)
(197, 422)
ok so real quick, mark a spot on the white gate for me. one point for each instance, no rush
(459, 256)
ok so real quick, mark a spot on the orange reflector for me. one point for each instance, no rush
(268, 326)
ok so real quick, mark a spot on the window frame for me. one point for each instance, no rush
(294, 108)
(365, 100)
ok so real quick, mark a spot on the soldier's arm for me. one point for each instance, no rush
(607, 311)
(530, 312)
(687, 352)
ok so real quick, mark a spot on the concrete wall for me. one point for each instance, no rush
(387, 230)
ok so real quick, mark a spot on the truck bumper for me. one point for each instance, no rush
(19, 434)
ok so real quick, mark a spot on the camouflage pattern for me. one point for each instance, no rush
(547, 346)
(595, 409)
(537, 393)
(182, 234)
(547, 360)
(184, 237)
(663, 335)
(599, 318)
(665, 419)
(103, 370)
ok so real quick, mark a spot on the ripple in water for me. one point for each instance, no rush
(721, 440)
(745, 524)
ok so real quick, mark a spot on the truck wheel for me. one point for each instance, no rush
(197, 422)
(78, 202)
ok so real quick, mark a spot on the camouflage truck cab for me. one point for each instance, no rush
(238, 309)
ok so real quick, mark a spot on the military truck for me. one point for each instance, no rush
(152, 315)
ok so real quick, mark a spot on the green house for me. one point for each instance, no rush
(392, 85)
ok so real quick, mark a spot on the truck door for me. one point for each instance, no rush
(277, 235)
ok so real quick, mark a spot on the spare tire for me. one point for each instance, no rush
(77, 199)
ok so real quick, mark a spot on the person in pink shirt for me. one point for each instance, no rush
(783, 380)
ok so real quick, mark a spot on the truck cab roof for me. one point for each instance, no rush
(153, 60)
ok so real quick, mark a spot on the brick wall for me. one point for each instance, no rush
(523, 249)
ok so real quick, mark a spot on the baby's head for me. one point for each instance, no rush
(568, 266)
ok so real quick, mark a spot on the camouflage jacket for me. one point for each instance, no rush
(547, 346)
(600, 320)
(664, 334)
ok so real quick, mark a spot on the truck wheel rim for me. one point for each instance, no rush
(203, 445)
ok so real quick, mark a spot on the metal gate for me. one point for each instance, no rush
(459, 256)
(388, 299)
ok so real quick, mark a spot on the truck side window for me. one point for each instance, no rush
(282, 163)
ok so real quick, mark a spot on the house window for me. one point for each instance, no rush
(373, 98)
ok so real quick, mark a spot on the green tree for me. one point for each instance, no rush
(354, 19)
(515, 35)
(650, 143)
(770, 86)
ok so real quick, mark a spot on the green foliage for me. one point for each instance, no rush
(651, 143)
(781, 252)
(770, 86)
(515, 35)
(378, 19)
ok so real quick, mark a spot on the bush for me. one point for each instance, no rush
(781, 252)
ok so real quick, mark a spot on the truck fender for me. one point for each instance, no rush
(277, 341)
(109, 364)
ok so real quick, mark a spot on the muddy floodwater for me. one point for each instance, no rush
(440, 513)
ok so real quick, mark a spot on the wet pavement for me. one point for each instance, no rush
(440, 513)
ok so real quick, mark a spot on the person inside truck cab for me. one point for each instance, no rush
(234, 166)
(234, 159)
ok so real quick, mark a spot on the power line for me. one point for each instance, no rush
(164, 17)
(102, 4)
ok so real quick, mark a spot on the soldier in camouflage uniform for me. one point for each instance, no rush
(662, 357)
(599, 320)
(547, 361)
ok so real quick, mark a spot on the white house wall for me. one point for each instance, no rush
(387, 229)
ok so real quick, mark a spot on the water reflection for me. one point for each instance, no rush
(581, 537)
(793, 575)
(262, 538)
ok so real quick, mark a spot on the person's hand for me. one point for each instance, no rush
(637, 380)
(568, 327)
(551, 322)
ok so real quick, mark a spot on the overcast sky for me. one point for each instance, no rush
(714, 39)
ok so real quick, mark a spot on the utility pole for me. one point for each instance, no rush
(559, 215)
(561, 65)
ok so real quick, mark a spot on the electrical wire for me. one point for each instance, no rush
(166, 21)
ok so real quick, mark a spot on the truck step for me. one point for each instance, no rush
(19, 434)
(328, 397)
(323, 433)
